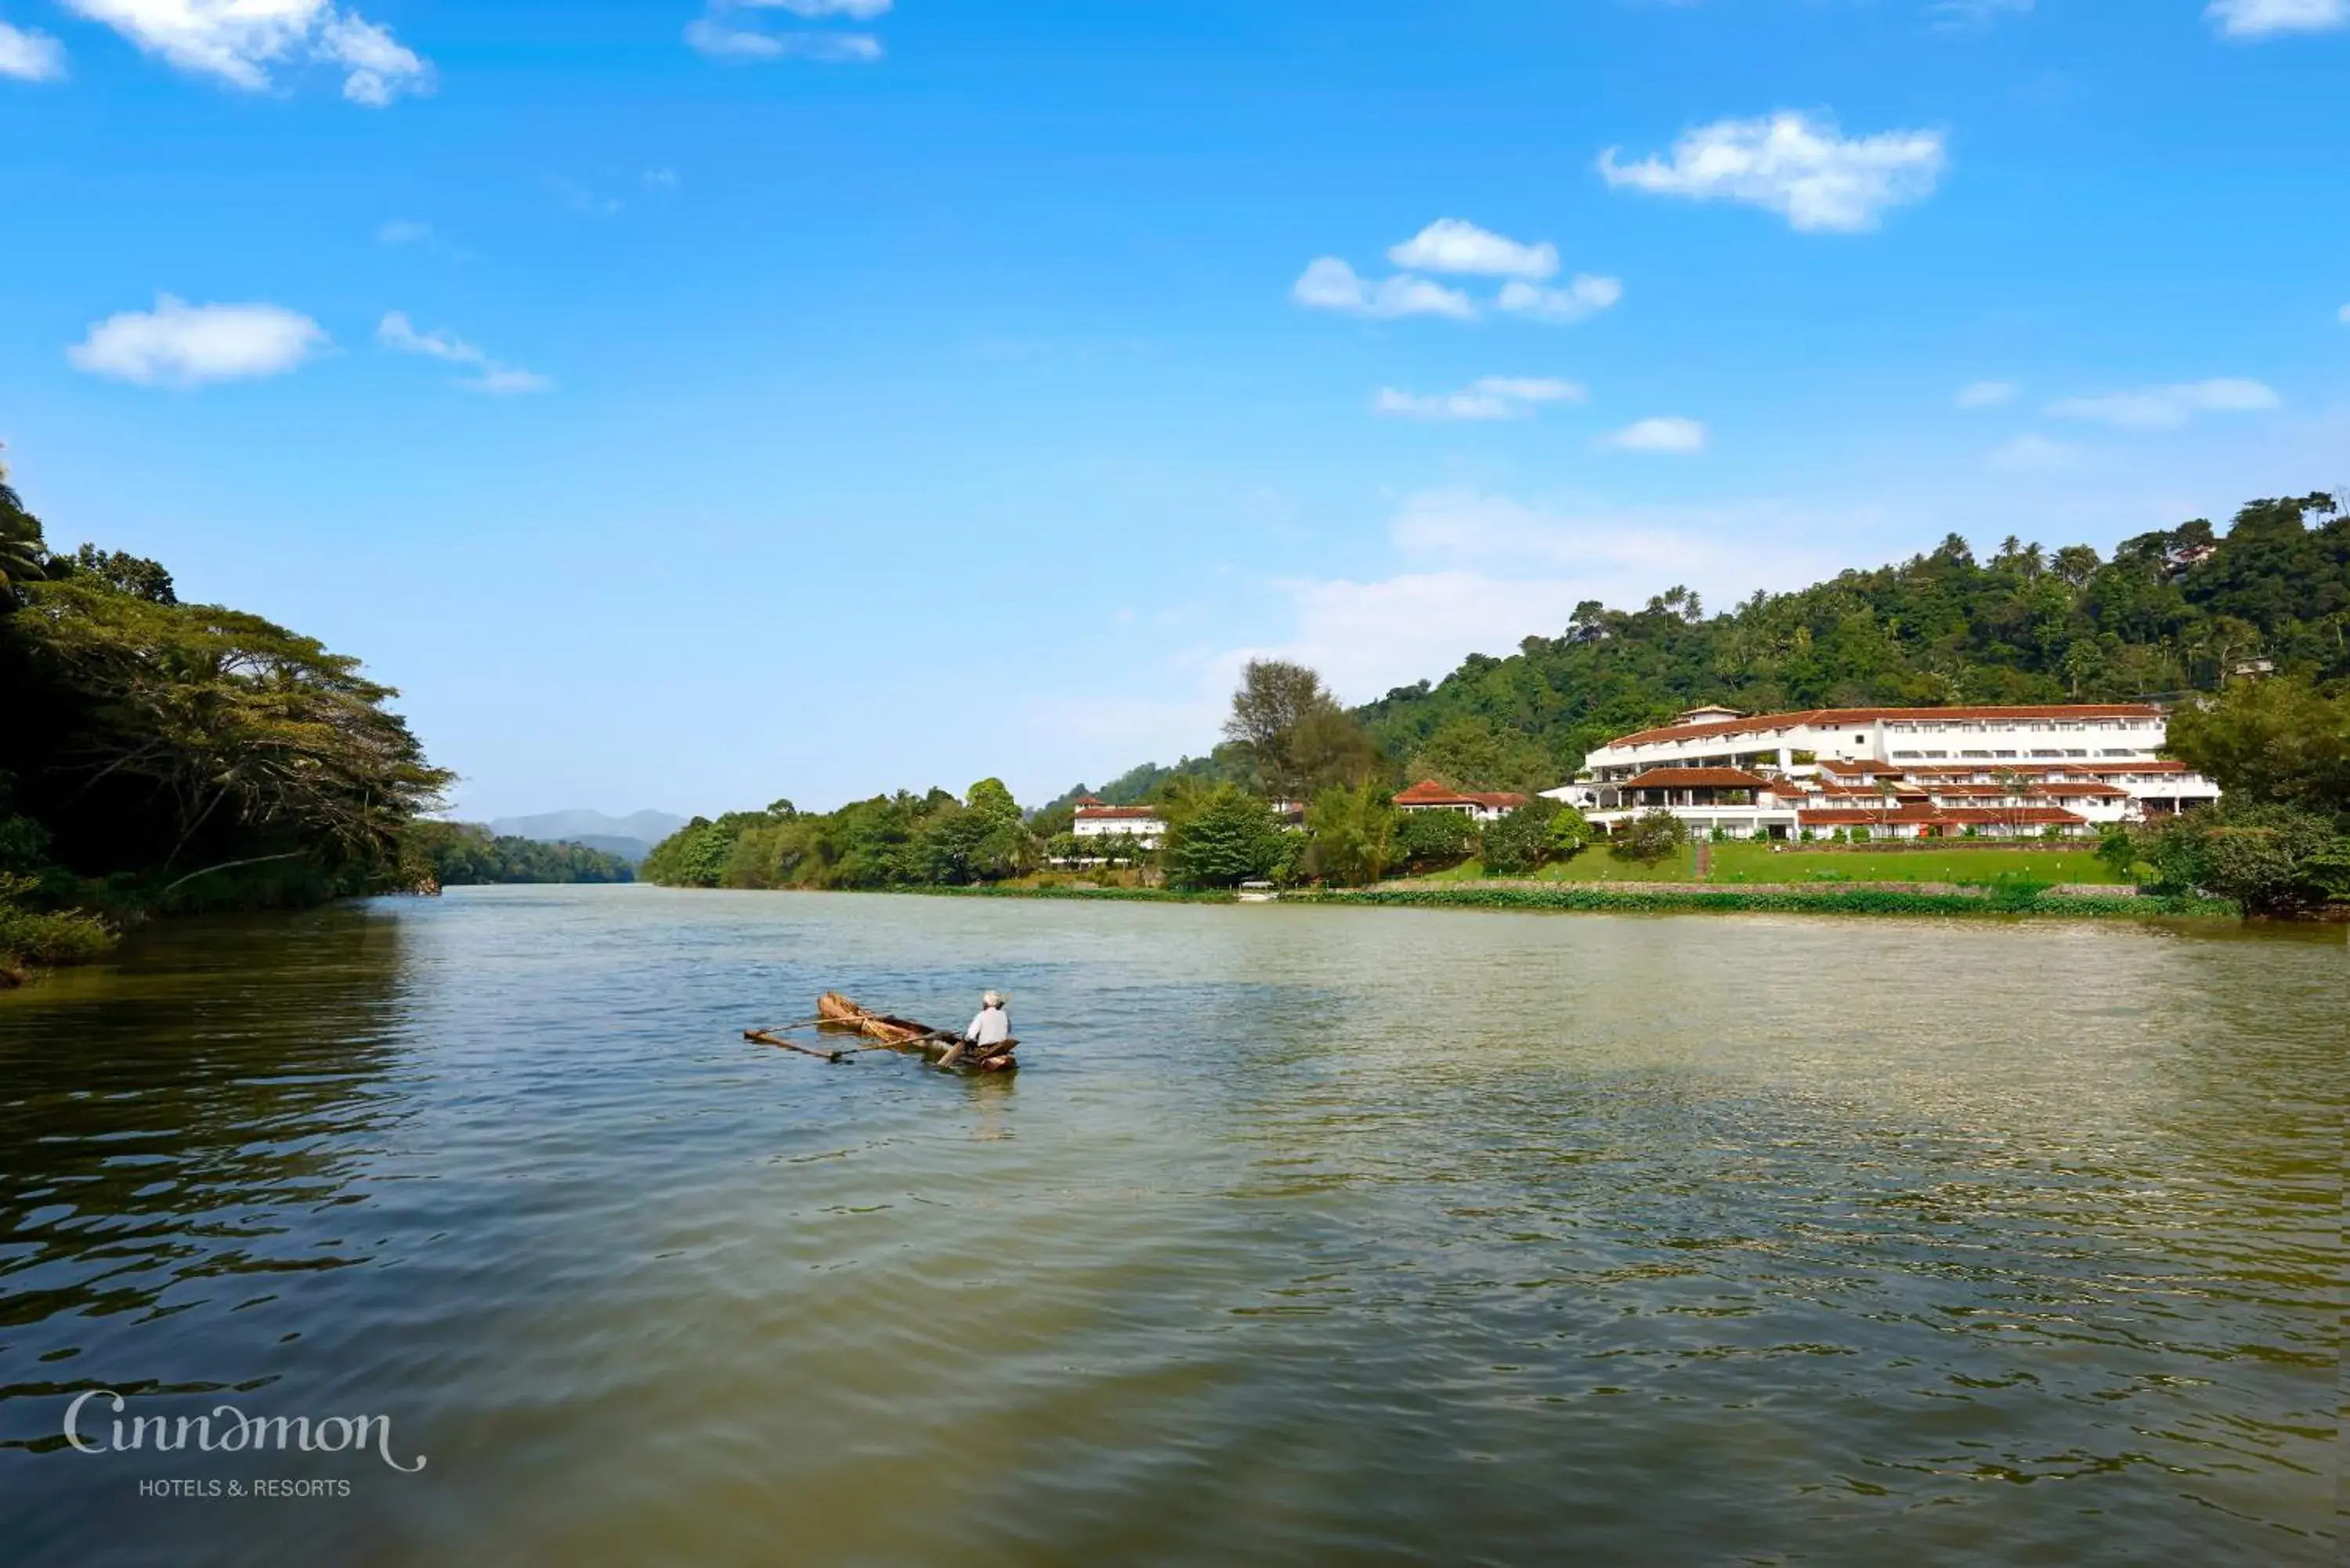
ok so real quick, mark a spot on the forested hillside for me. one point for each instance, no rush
(2171, 612)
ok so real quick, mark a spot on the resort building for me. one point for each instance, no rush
(1429, 795)
(1893, 773)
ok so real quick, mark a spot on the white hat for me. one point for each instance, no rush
(993, 999)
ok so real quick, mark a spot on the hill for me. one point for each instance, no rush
(2174, 611)
(630, 837)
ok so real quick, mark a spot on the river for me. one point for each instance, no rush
(1306, 1236)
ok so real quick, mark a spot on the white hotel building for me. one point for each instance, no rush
(1893, 773)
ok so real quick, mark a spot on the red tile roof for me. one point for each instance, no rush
(1427, 792)
(1834, 717)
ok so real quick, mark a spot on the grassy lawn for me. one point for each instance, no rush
(1735, 863)
(1591, 866)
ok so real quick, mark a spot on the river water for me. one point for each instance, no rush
(1306, 1236)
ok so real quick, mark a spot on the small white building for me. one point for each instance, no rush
(1142, 824)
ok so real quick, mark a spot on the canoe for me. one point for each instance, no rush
(834, 1011)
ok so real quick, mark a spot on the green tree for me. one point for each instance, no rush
(1220, 838)
(1520, 841)
(1353, 833)
(695, 856)
(1473, 752)
(1428, 840)
(170, 739)
(24, 556)
(2282, 741)
(1292, 734)
(1650, 837)
(1570, 833)
(2272, 859)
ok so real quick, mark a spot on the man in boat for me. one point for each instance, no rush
(991, 1027)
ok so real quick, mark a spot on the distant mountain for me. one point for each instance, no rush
(629, 837)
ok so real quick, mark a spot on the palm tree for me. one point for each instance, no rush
(23, 557)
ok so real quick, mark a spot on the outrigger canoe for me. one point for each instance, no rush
(834, 1011)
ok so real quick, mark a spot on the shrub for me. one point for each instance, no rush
(1570, 833)
(32, 936)
(1519, 842)
(1426, 840)
(2272, 859)
(1650, 836)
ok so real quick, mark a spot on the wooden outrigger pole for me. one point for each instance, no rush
(768, 1037)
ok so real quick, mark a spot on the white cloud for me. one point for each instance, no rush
(1799, 168)
(1482, 571)
(723, 33)
(1584, 295)
(585, 199)
(661, 178)
(1329, 284)
(30, 57)
(2343, 316)
(1454, 245)
(1985, 394)
(2268, 18)
(1666, 434)
(403, 231)
(817, 10)
(2167, 407)
(1487, 398)
(1976, 13)
(182, 345)
(506, 381)
(1467, 526)
(381, 66)
(1367, 638)
(396, 332)
(238, 41)
(2034, 453)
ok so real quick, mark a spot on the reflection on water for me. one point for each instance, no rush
(1306, 1236)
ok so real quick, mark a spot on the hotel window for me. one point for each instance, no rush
(2002, 754)
(1974, 753)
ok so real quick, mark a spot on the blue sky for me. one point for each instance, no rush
(690, 405)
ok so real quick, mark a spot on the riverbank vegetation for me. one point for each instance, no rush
(162, 756)
(1598, 898)
(2246, 632)
(465, 854)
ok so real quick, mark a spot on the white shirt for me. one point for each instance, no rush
(991, 1027)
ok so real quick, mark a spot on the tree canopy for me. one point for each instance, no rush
(191, 749)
